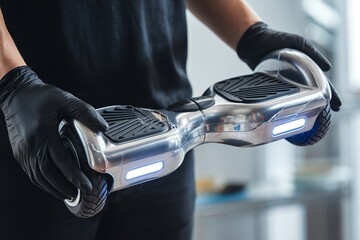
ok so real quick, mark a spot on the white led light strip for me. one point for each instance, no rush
(144, 170)
(289, 126)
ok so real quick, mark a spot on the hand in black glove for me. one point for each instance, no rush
(33, 111)
(259, 40)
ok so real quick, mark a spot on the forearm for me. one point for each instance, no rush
(229, 19)
(9, 54)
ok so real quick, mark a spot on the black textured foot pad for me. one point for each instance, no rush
(127, 123)
(254, 88)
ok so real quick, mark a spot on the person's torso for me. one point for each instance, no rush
(129, 51)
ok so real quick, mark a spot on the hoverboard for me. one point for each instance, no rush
(287, 97)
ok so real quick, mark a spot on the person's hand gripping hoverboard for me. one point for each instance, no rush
(33, 111)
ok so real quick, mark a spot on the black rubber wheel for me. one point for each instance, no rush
(85, 205)
(318, 132)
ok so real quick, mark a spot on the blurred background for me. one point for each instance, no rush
(280, 191)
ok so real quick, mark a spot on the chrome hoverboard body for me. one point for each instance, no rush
(282, 99)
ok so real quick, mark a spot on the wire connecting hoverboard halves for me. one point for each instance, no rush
(287, 97)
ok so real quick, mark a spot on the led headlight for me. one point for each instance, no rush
(144, 170)
(289, 126)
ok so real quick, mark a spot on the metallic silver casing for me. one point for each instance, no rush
(237, 124)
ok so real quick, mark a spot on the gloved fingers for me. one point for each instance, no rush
(85, 113)
(90, 117)
(38, 179)
(308, 48)
(57, 180)
(335, 102)
(259, 40)
(67, 163)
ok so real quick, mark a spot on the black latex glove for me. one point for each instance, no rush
(259, 40)
(33, 111)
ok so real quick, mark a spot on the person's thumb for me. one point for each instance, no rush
(86, 114)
